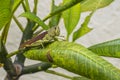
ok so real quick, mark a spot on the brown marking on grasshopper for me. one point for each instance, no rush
(50, 59)
(34, 39)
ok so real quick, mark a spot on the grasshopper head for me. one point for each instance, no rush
(57, 31)
(54, 31)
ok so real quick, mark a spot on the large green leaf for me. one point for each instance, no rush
(71, 17)
(84, 29)
(77, 59)
(90, 5)
(35, 18)
(5, 12)
(109, 48)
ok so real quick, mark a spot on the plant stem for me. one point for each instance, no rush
(27, 6)
(8, 66)
(27, 34)
(14, 53)
(5, 32)
(62, 8)
(35, 27)
(18, 23)
(59, 74)
(36, 68)
(23, 5)
(35, 6)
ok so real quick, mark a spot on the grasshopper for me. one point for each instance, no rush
(42, 38)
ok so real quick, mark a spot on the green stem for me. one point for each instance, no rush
(5, 32)
(59, 74)
(36, 68)
(23, 5)
(27, 6)
(47, 17)
(14, 53)
(35, 6)
(62, 8)
(18, 23)
(35, 27)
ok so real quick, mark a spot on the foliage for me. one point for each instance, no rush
(77, 59)
(72, 19)
(47, 47)
(84, 29)
(109, 48)
(5, 12)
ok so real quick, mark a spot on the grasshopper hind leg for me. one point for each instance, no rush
(38, 43)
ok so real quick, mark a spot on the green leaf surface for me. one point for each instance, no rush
(109, 48)
(54, 21)
(71, 17)
(35, 18)
(5, 12)
(84, 29)
(77, 59)
(16, 4)
(90, 5)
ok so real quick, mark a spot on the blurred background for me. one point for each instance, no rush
(105, 23)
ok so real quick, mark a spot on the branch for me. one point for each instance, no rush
(27, 34)
(59, 74)
(18, 23)
(8, 66)
(36, 67)
(62, 8)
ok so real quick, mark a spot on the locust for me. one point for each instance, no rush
(44, 37)
(38, 40)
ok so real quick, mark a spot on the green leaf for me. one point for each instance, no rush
(35, 18)
(71, 17)
(90, 5)
(84, 29)
(77, 59)
(109, 48)
(54, 21)
(5, 12)
(62, 8)
(16, 4)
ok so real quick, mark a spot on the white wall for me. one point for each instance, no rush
(106, 24)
